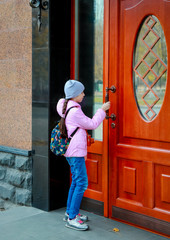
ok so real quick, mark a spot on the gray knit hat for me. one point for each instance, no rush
(73, 88)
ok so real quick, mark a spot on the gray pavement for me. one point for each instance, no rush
(28, 223)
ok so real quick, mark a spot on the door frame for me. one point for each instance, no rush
(106, 122)
(113, 76)
(105, 144)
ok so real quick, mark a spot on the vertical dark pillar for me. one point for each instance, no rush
(51, 68)
(60, 25)
(40, 111)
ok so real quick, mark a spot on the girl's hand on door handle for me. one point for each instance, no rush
(106, 106)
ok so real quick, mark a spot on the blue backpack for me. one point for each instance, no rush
(58, 143)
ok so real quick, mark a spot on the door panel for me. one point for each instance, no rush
(139, 148)
(87, 66)
(132, 19)
(94, 171)
(162, 183)
(129, 175)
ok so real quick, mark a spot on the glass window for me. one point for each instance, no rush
(150, 68)
(89, 55)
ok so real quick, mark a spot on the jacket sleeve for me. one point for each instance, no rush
(89, 123)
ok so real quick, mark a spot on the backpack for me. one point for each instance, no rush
(60, 144)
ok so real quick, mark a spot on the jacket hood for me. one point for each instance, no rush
(70, 103)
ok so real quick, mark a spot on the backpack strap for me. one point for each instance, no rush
(76, 128)
(68, 111)
(73, 133)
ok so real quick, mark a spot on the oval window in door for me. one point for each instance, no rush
(150, 68)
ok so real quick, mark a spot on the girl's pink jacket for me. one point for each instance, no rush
(76, 118)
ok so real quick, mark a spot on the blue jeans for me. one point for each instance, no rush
(78, 186)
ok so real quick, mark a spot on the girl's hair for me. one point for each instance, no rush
(63, 129)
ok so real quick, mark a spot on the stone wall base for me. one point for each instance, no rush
(15, 177)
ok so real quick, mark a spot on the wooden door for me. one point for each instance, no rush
(139, 139)
(87, 40)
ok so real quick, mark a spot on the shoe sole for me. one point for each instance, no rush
(78, 229)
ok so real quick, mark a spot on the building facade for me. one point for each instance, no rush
(119, 49)
(16, 102)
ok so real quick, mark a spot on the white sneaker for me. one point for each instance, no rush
(79, 216)
(83, 218)
(77, 224)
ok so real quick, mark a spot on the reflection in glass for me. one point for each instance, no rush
(89, 54)
(150, 68)
(98, 64)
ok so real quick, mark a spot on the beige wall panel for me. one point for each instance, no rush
(16, 74)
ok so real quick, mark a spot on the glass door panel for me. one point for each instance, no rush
(89, 55)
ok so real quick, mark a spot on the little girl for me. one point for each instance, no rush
(77, 149)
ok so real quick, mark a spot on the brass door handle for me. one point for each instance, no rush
(112, 116)
(113, 90)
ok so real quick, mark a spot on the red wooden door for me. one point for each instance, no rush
(139, 145)
(87, 40)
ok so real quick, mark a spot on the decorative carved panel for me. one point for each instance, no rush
(165, 188)
(130, 184)
(150, 68)
(162, 187)
(129, 180)
(92, 170)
